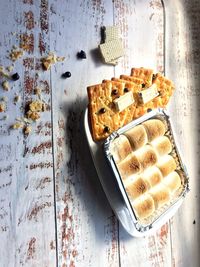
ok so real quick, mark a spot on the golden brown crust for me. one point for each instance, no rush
(137, 136)
(129, 166)
(160, 195)
(144, 206)
(101, 97)
(146, 156)
(136, 80)
(138, 187)
(172, 181)
(154, 128)
(166, 165)
(120, 148)
(145, 74)
(153, 176)
(162, 145)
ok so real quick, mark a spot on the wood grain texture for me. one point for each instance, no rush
(27, 221)
(53, 211)
(87, 228)
(183, 57)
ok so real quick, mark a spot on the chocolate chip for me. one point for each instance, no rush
(15, 76)
(81, 54)
(149, 110)
(126, 90)
(102, 110)
(143, 85)
(106, 129)
(66, 74)
(114, 92)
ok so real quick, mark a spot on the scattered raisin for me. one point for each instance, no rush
(194, 222)
(106, 129)
(15, 76)
(81, 54)
(66, 74)
(149, 110)
(143, 85)
(102, 110)
(126, 90)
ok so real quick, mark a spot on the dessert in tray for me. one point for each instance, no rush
(116, 102)
(147, 161)
(127, 114)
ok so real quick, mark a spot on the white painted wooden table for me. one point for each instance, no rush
(53, 211)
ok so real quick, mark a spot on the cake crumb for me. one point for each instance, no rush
(10, 68)
(17, 99)
(36, 105)
(3, 72)
(17, 125)
(15, 54)
(2, 107)
(51, 59)
(33, 115)
(27, 130)
(5, 85)
(37, 91)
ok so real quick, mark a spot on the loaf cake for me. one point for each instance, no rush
(106, 117)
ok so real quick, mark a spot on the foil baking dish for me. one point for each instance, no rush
(113, 183)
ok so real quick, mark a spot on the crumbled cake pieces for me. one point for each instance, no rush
(51, 59)
(5, 85)
(2, 107)
(15, 54)
(34, 109)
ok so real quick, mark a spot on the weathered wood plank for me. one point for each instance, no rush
(141, 24)
(27, 222)
(87, 228)
(183, 66)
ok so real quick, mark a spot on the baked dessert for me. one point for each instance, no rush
(145, 74)
(120, 148)
(129, 166)
(104, 117)
(137, 187)
(166, 165)
(147, 167)
(152, 176)
(160, 195)
(162, 145)
(172, 181)
(137, 136)
(103, 114)
(154, 128)
(144, 206)
(146, 156)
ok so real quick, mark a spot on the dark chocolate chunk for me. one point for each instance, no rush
(102, 110)
(81, 54)
(106, 129)
(15, 76)
(66, 74)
